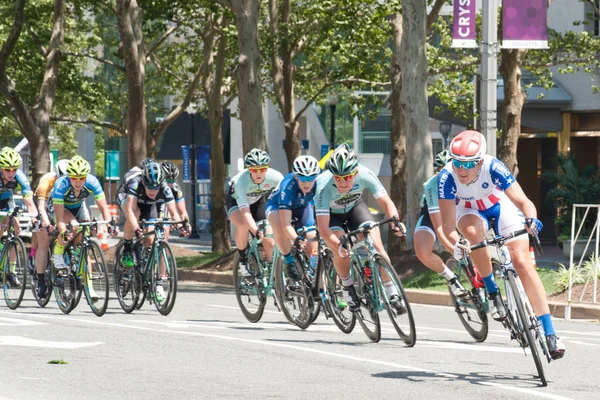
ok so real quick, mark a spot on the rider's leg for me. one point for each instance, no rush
(59, 246)
(241, 233)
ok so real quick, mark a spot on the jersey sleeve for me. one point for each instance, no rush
(24, 183)
(500, 174)
(167, 193)
(285, 197)
(45, 186)
(93, 184)
(446, 186)
(177, 193)
(372, 183)
(323, 194)
(431, 195)
(60, 187)
(241, 188)
(133, 187)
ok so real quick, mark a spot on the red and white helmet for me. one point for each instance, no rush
(468, 146)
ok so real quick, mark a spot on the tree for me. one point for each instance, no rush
(34, 122)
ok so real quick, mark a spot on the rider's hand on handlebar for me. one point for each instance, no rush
(461, 248)
(343, 248)
(533, 226)
(139, 232)
(300, 243)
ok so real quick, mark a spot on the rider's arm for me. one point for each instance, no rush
(182, 210)
(128, 211)
(103, 207)
(326, 233)
(42, 210)
(521, 201)
(250, 223)
(30, 205)
(59, 213)
(173, 212)
(389, 208)
(448, 217)
(436, 221)
(286, 221)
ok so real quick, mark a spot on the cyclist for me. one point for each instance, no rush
(246, 201)
(12, 179)
(41, 239)
(429, 228)
(338, 200)
(145, 195)
(68, 197)
(171, 173)
(293, 198)
(474, 188)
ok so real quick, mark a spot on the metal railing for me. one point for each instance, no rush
(595, 269)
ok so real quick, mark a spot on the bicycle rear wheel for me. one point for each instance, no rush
(401, 315)
(368, 317)
(249, 291)
(42, 302)
(15, 280)
(343, 318)
(168, 280)
(295, 298)
(95, 277)
(528, 326)
(125, 283)
(471, 309)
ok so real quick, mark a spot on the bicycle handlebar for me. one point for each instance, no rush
(368, 227)
(72, 225)
(163, 222)
(498, 240)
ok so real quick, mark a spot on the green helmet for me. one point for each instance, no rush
(256, 157)
(10, 158)
(343, 160)
(78, 166)
(442, 158)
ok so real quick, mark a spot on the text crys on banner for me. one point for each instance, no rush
(525, 24)
(464, 33)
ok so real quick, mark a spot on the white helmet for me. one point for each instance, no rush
(306, 166)
(60, 168)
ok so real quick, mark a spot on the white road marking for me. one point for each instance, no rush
(528, 391)
(469, 347)
(18, 322)
(27, 342)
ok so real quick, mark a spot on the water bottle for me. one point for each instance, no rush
(368, 272)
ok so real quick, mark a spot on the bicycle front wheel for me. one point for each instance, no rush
(65, 288)
(295, 298)
(164, 276)
(249, 290)
(527, 325)
(399, 310)
(343, 318)
(43, 301)
(15, 273)
(95, 277)
(368, 316)
(471, 308)
(126, 286)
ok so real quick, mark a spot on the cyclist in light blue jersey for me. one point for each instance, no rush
(293, 198)
(338, 200)
(245, 202)
(429, 228)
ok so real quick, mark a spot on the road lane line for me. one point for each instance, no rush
(528, 391)
(18, 322)
(28, 342)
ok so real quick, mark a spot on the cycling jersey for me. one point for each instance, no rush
(177, 192)
(64, 193)
(44, 190)
(429, 201)
(329, 199)
(136, 188)
(245, 192)
(20, 183)
(288, 195)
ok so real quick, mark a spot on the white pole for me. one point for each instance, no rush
(489, 74)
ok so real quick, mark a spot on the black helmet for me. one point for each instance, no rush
(152, 174)
(170, 170)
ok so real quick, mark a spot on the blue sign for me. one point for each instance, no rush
(112, 165)
(185, 157)
(203, 162)
(324, 150)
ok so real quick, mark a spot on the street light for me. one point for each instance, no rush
(191, 110)
(332, 100)
(445, 129)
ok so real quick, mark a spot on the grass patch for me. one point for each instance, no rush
(429, 280)
(199, 260)
(59, 362)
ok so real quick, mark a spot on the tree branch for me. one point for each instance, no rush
(36, 39)
(89, 121)
(93, 57)
(454, 68)
(161, 40)
(159, 67)
(434, 13)
(225, 3)
(13, 36)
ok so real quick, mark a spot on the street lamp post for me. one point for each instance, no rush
(332, 100)
(445, 129)
(191, 110)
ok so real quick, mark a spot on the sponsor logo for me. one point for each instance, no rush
(267, 185)
(350, 198)
(442, 183)
(466, 198)
(355, 187)
(485, 185)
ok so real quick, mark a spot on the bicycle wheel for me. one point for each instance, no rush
(65, 288)
(95, 278)
(42, 302)
(71, 255)
(15, 279)
(295, 298)
(249, 291)
(168, 280)
(343, 318)
(125, 283)
(471, 309)
(527, 325)
(401, 317)
(368, 317)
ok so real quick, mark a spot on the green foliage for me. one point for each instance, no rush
(199, 261)
(562, 277)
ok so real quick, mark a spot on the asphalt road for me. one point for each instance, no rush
(206, 349)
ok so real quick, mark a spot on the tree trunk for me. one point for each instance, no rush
(397, 245)
(514, 98)
(414, 102)
(130, 17)
(248, 74)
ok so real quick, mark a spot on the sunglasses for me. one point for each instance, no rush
(170, 181)
(152, 187)
(10, 169)
(258, 169)
(343, 178)
(464, 164)
(77, 178)
(305, 179)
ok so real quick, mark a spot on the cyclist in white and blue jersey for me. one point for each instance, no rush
(246, 202)
(338, 201)
(474, 188)
(293, 198)
(429, 228)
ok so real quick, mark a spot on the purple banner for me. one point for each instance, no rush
(463, 30)
(525, 24)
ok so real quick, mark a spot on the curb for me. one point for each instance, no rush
(431, 297)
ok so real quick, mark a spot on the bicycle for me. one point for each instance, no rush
(134, 285)
(13, 279)
(520, 320)
(43, 301)
(368, 266)
(251, 291)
